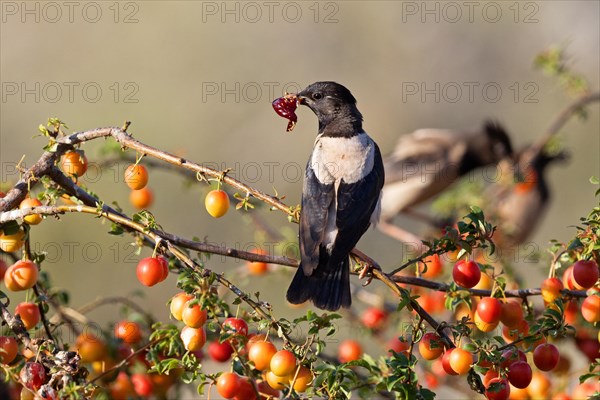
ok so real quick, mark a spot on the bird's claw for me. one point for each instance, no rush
(366, 272)
(368, 281)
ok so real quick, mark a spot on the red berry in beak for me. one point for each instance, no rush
(285, 107)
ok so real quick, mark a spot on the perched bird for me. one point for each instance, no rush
(518, 208)
(427, 161)
(340, 197)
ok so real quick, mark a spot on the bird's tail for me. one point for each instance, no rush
(328, 287)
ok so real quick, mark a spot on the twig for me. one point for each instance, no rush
(563, 116)
(416, 328)
(119, 300)
(409, 263)
(308, 343)
(27, 250)
(443, 287)
(126, 360)
(15, 324)
(43, 315)
(513, 343)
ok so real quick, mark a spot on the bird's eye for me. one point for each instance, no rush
(317, 96)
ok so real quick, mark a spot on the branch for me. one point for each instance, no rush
(48, 160)
(563, 116)
(383, 277)
(46, 166)
(15, 324)
(116, 300)
(270, 259)
(125, 360)
(443, 287)
(152, 235)
(127, 140)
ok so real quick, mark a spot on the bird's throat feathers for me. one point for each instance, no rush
(345, 122)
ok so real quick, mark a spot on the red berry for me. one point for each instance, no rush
(236, 326)
(431, 346)
(285, 107)
(245, 390)
(150, 271)
(142, 384)
(520, 374)
(220, 351)
(546, 356)
(466, 273)
(446, 362)
(510, 356)
(33, 375)
(568, 278)
(349, 350)
(374, 318)
(585, 274)
(165, 267)
(489, 310)
(397, 345)
(228, 384)
(497, 389)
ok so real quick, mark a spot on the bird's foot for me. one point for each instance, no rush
(367, 263)
(366, 272)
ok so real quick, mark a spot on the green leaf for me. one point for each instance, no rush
(10, 227)
(426, 394)
(51, 147)
(43, 130)
(585, 377)
(470, 347)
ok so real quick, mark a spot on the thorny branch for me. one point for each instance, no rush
(46, 166)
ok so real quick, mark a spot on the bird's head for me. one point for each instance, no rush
(333, 104)
(499, 142)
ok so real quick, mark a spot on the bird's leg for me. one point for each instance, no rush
(395, 232)
(367, 265)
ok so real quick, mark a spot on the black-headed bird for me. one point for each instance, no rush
(426, 162)
(340, 197)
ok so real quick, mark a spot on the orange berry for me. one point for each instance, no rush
(136, 176)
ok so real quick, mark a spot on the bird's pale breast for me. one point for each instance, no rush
(338, 158)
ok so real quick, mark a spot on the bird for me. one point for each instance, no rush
(426, 162)
(341, 197)
(519, 207)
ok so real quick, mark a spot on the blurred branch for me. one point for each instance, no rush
(117, 300)
(563, 117)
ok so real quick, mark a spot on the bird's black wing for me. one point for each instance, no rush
(316, 202)
(355, 205)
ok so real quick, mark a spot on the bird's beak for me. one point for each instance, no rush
(301, 99)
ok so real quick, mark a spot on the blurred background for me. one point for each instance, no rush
(197, 78)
